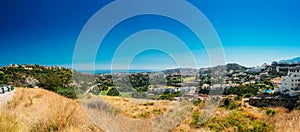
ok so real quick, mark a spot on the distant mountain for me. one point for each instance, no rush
(295, 60)
(184, 71)
(191, 71)
(235, 67)
(228, 67)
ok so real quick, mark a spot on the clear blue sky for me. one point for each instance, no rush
(45, 32)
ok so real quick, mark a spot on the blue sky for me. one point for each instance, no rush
(252, 32)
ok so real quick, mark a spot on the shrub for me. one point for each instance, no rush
(270, 112)
(226, 102)
(238, 98)
(230, 104)
(67, 92)
(113, 92)
(196, 120)
(248, 95)
(239, 121)
(169, 95)
(166, 96)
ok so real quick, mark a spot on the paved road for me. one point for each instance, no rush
(91, 88)
(6, 97)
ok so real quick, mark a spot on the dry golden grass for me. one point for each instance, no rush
(123, 115)
(185, 125)
(139, 109)
(285, 121)
(8, 121)
(42, 110)
(252, 113)
(219, 114)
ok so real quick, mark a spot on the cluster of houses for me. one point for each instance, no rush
(186, 90)
(32, 66)
(290, 84)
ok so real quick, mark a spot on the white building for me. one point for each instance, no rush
(290, 84)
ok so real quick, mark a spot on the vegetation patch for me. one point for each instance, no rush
(270, 112)
(113, 92)
(135, 108)
(45, 111)
(8, 121)
(238, 121)
(166, 96)
(230, 104)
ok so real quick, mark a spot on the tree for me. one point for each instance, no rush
(66, 77)
(113, 92)
(50, 82)
(102, 87)
(174, 80)
(67, 92)
(139, 82)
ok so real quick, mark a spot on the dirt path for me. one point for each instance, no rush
(6, 97)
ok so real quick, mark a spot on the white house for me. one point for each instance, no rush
(290, 84)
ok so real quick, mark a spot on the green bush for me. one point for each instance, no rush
(140, 82)
(241, 90)
(248, 95)
(196, 122)
(67, 92)
(113, 92)
(230, 104)
(166, 96)
(270, 112)
(239, 121)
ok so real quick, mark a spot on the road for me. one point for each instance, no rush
(6, 97)
(91, 88)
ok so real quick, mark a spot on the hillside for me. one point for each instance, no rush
(239, 116)
(42, 110)
(183, 71)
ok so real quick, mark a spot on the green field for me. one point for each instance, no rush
(126, 94)
(189, 79)
(103, 93)
(123, 94)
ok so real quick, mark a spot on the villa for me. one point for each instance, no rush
(290, 84)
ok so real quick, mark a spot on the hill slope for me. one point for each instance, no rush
(42, 110)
